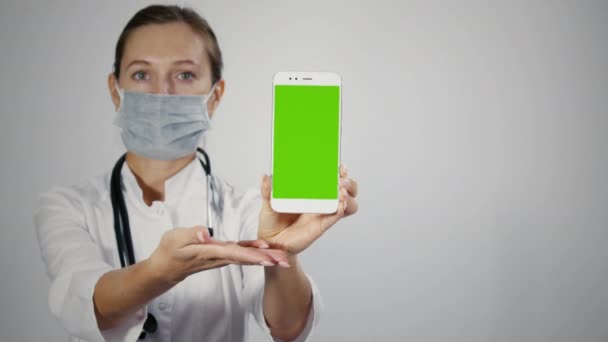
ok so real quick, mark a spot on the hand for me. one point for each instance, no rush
(185, 251)
(293, 233)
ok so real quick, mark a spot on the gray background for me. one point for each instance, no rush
(477, 132)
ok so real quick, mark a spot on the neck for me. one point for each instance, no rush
(151, 174)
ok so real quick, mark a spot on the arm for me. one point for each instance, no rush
(181, 252)
(121, 292)
(287, 300)
(291, 299)
(92, 301)
(284, 301)
(74, 263)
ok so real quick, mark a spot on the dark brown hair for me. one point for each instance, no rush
(163, 14)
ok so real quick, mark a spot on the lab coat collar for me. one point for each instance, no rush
(175, 186)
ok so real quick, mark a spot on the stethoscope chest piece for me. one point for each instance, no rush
(150, 326)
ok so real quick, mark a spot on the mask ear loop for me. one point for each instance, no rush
(120, 93)
(210, 93)
(208, 96)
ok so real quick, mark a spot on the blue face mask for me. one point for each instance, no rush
(162, 126)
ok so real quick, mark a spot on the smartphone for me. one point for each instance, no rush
(306, 128)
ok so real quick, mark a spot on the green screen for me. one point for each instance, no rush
(306, 141)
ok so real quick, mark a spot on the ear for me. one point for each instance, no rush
(112, 83)
(214, 102)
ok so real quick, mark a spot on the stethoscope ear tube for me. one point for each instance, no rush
(117, 205)
(207, 167)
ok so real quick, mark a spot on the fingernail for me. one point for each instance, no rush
(284, 264)
(264, 246)
(199, 235)
(344, 182)
(266, 263)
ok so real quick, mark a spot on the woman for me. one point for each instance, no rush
(184, 284)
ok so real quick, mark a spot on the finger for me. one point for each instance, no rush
(278, 256)
(343, 170)
(211, 264)
(329, 220)
(204, 236)
(351, 206)
(350, 185)
(239, 255)
(216, 263)
(254, 243)
(265, 191)
(181, 237)
(227, 252)
(343, 195)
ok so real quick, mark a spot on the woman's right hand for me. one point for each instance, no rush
(185, 251)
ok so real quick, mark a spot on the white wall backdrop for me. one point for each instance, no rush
(478, 133)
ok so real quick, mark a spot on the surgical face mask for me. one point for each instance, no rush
(162, 126)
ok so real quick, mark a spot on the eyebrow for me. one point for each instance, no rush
(137, 61)
(181, 61)
(185, 61)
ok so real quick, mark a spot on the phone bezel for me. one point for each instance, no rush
(289, 205)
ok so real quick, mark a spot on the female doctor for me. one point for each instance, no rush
(177, 281)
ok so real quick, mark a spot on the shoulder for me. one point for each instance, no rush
(76, 197)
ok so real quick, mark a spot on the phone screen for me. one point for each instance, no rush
(306, 141)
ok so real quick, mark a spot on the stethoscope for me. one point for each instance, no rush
(123, 230)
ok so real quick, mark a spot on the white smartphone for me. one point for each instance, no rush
(306, 129)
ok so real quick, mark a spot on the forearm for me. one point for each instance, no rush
(121, 292)
(287, 300)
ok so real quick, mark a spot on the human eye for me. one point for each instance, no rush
(140, 75)
(186, 76)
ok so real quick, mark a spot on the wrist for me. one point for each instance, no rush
(280, 272)
(157, 273)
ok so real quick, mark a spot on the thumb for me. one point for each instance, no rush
(265, 191)
(202, 235)
(181, 237)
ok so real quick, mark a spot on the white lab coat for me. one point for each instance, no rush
(75, 231)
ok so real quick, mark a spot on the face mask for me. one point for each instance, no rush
(162, 126)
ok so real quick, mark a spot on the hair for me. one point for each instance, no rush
(165, 14)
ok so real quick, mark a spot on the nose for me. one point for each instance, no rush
(163, 86)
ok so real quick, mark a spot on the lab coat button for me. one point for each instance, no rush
(159, 210)
(162, 306)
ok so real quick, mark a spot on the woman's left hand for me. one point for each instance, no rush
(293, 233)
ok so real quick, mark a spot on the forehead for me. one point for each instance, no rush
(165, 43)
